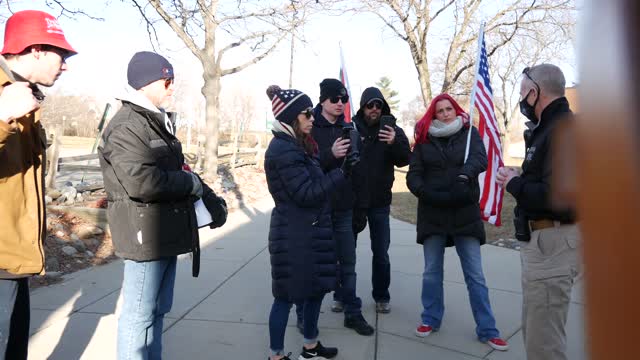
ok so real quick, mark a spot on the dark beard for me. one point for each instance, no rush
(371, 121)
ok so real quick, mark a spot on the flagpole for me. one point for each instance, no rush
(345, 79)
(473, 91)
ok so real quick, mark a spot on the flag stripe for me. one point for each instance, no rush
(490, 192)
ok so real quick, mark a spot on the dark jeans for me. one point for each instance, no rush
(279, 316)
(346, 251)
(378, 219)
(14, 318)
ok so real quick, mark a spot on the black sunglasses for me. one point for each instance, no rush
(64, 54)
(308, 113)
(526, 73)
(376, 104)
(335, 99)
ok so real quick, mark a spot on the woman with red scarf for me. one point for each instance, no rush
(448, 212)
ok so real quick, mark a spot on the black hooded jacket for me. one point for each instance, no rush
(377, 159)
(325, 134)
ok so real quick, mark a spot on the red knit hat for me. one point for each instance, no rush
(422, 127)
(32, 27)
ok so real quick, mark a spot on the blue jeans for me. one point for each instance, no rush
(147, 291)
(468, 249)
(378, 219)
(346, 251)
(280, 315)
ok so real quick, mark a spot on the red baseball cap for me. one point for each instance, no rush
(32, 27)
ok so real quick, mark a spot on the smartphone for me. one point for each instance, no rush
(345, 133)
(387, 120)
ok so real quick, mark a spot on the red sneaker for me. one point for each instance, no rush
(424, 330)
(498, 344)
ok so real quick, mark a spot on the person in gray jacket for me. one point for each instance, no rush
(150, 204)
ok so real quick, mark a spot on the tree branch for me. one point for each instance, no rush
(235, 69)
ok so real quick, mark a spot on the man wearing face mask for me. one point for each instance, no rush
(550, 236)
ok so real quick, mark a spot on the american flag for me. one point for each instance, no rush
(490, 192)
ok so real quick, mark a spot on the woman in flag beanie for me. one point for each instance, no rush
(303, 260)
(448, 212)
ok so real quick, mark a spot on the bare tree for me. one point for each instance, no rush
(61, 8)
(414, 22)
(544, 45)
(211, 29)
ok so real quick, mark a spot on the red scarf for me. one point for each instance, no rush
(421, 133)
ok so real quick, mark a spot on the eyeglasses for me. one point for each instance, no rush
(64, 54)
(526, 73)
(335, 99)
(168, 82)
(307, 113)
(376, 104)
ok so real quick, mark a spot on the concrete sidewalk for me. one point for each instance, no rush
(223, 314)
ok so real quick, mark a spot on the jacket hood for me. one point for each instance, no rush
(372, 93)
(320, 121)
(135, 97)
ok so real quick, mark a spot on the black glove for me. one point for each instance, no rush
(349, 162)
(217, 207)
(359, 221)
(461, 191)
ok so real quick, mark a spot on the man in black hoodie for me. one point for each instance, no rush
(382, 150)
(327, 131)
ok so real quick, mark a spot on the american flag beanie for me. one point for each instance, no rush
(287, 103)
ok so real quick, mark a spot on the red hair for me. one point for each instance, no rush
(421, 133)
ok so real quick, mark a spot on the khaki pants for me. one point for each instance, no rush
(550, 264)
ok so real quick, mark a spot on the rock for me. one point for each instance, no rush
(53, 274)
(59, 240)
(68, 183)
(48, 200)
(88, 231)
(89, 253)
(93, 242)
(58, 227)
(69, 250)
(69, 193)
(79, 197)
(74, 237)
(52, 264)
(54, 193)
(79, 244)
(60, 233)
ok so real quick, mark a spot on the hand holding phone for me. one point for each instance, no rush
(387, 133)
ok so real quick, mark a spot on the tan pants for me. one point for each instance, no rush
(550, 264)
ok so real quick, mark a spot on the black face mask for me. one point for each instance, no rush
(529, 111)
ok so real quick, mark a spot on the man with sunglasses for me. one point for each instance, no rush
(327, 132)
(383, 148)
(550, 235)
(34, 53)
(151, 195)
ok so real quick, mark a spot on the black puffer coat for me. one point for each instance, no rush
(433, 170)
(303, 260)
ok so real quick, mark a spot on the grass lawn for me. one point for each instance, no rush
(405, 206)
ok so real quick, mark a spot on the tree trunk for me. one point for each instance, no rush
(211, 92)
(424, 77)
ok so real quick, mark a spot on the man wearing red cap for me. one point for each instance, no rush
(34, 52)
